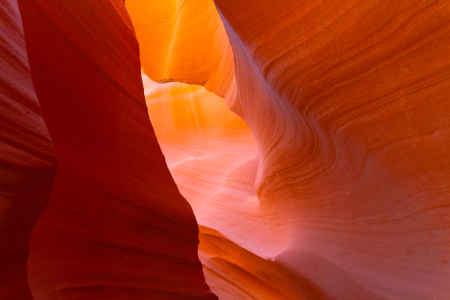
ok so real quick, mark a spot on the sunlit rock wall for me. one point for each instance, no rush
(348, 194)
(184, 41)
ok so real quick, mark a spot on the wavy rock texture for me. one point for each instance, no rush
(115, 226)
(348, 197)
(27, 160)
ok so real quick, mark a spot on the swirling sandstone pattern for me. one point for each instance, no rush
(331, 179)
(348, 197)
(115, 226)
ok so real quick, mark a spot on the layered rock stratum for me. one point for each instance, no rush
(113, 224)
(347, 195)
(296, 150)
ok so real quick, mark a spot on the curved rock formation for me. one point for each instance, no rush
(360, 93)
(310, 138)
(115, 226)
(27, 160)
(348, 102)
(184, 41)
(201, 139)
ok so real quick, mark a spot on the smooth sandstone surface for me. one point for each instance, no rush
(202, 140)
(184, 41)
(310, 138)
(347, 196)
(27, 158)
(115, 225)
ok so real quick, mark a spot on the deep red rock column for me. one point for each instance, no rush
(27, 159)
(116, 226)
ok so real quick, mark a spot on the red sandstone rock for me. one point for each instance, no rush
(347, 197)
(115, 226)
(27, 159)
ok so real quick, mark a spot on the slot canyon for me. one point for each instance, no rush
(225, 149)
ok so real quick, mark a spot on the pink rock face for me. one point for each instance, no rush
(348, 195)
(115, 226)
(357, 167)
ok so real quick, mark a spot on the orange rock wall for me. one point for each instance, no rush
(184, 41)
(359, 163)
(348, 194)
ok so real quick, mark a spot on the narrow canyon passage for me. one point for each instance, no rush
(213, 158)
(224, 149)
(347, 195)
